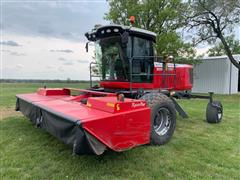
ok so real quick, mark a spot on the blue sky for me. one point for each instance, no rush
(45, 40)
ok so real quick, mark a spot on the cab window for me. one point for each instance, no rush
(142, 63)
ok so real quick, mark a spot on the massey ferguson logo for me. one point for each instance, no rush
(140, 104)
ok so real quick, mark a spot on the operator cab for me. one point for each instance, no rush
(120, 50)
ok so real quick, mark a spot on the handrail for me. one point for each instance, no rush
(131, 74)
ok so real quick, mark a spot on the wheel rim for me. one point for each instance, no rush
(162, 121)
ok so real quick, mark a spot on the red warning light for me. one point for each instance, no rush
(132, 19)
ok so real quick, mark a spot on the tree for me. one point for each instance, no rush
(212, 19)
(68, 80)
(219, 50)
(159, 16)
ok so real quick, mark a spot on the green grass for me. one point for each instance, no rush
(9, 90)
(198, 150)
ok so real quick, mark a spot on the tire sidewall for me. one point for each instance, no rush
(162, 139)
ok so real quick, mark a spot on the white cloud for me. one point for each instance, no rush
(49, 67)
(62, 59)
(19, 66)
(83, 61)
(62, 50)
(202, 50)
(43, 28)
(66, 20)
(42, 64)
(13, 53)
(68, 63)
(60, 69)
(10, 43)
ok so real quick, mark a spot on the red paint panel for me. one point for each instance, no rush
(53, 92)
(123, 130)
(125, 85)
(112, 105)
(160, 81)
(32, 97)
(71, 109)
(118, 131)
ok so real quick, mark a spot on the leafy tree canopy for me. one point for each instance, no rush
(159, 16)
(213, 19)
(219, 50)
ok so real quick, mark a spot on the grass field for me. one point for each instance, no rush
(198, 150)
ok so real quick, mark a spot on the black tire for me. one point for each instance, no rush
(163, 117)
(214, 112)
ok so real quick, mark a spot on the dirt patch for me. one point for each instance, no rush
(6, 112)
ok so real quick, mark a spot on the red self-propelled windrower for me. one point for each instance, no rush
(134, 104)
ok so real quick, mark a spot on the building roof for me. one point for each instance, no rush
(223, 57)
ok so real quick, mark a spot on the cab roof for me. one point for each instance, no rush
(111, 30)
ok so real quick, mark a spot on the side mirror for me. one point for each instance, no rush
(86, 46)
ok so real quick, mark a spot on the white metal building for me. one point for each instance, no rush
(216, 74)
